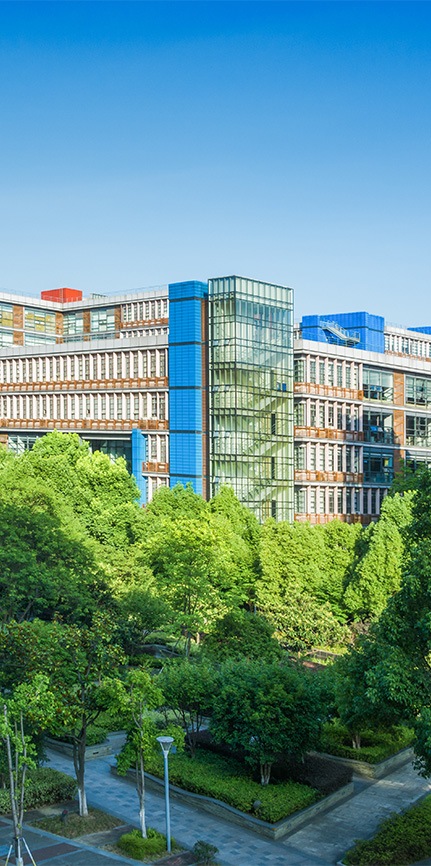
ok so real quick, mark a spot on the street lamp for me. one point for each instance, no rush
(166, 743)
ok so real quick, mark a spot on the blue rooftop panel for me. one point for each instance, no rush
(358, 330)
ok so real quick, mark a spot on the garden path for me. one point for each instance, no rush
(321, 843)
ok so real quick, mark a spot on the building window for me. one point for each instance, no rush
(312, 371)
(154, 405)
(378, 385)
(322, 372)
(299, 456)
(339, 375)
(299, 370)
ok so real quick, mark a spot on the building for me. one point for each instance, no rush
(362, 404)
(191, 382)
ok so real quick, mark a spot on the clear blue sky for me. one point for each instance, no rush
(145, 142)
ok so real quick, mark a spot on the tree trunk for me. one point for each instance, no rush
(17, 824)
(140, 787)
(79, 764)
(265, 772)
(356, 740)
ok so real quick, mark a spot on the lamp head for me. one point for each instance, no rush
(165, 743)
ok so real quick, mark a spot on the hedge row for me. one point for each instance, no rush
(43, 787)
(400, 840)
(376, 746)
(227, 780)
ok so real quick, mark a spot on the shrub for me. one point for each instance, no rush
(134, 845)
(204, 853)
(44, 786)
(400, 840)
(375, 745)
(227, 780)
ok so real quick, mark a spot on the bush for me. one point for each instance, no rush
(134, 845)
(400, 840)
(227, 780)
(44, 786)
(204, 853)
(375, 745)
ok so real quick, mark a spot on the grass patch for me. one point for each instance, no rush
(228, 780)
(376, 746)
(74, 826)
(399, 841)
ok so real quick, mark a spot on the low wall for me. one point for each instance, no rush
(229, 813)
(372, 771)
(97, 751)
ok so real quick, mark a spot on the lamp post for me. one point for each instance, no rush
(166, 743)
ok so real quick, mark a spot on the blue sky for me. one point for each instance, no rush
(147, 142)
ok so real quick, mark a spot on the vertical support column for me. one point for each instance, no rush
(187, 384)
(139, 455)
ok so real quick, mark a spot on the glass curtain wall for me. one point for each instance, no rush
(251, 393)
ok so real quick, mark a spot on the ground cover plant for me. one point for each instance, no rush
(399, 841)
(228, 780)
(375, 746)
(43, 787)
(134, 845)
(71, 825)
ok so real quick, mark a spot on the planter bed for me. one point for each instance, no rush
(263, 828)
(372, 771)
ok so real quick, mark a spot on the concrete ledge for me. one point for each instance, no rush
(372, 771)
(229, 813)
(97, 751)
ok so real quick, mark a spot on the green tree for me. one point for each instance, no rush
(79, 662)
(240, 634)
(189, 690)
(31, 703)
(46, 563)
(397, 648)
(199, 568)
(135, 698)
(340, 544)
(377, 575)
(265, 711)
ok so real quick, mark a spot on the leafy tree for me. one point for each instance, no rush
(32, 703)
(340, 544)
(84, 689)
(80, 663)
(354, 692)
(301, 622)
(265, 711)
(46, 563)
(189, 690)
(378, 573)
(398, 645)
(199, 569)
(240, 634)
(139, 612)
(135, 698)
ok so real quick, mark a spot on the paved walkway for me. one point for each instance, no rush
(320, 843)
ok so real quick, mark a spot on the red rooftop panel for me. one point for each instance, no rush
(62, 296)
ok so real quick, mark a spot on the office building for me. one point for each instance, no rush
(362, 405)
(191, 382)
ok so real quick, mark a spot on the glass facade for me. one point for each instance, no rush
(251, 393)
(378, 384)
(39, 326)
(418, 391)
(102, 321)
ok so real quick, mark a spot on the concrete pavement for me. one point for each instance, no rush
(321, 843)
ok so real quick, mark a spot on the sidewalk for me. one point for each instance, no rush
(320, 843)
